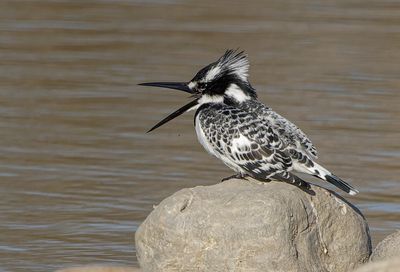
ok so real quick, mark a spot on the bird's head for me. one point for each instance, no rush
(223, 81)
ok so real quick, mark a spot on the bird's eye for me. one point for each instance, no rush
(202, 85)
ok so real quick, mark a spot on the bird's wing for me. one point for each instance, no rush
(287, 131)
(292, 134)
(244, 140)
(259, 151)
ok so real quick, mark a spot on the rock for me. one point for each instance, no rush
(388, 248)
(241, 225)
(100, 268)
(388, 265)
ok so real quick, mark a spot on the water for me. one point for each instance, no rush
(79, 173)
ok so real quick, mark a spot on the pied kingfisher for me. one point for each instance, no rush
(246, 135)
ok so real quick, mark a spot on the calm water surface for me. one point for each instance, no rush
(79, 173)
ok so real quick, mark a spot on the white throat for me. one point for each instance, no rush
(236, 93)
(207, 99)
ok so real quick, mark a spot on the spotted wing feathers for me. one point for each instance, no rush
(244, 143)
(286, 130)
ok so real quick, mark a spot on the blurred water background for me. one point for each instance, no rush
(78, 172)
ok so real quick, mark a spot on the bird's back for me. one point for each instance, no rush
(287, 131)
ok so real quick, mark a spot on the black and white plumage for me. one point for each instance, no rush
(243, 142)
(246, 135)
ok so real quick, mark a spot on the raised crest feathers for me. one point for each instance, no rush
(235, 62)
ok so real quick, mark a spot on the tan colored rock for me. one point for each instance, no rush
(388, 265)
(100, 268)
(387, 248)
(247, 226)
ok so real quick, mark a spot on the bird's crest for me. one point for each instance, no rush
(236, 62)
(232, 62)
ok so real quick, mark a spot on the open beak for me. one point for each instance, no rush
(175, 114)
(181, 86)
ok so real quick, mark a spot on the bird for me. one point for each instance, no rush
(245, 134)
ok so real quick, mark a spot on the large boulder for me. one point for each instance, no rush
(388, 265)
(241, 225)
(388, 248)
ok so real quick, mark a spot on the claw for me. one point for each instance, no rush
(236, 176)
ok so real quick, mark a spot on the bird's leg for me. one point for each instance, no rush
(236, 176)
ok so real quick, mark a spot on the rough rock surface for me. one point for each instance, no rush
(100, 268)
(388, 248)
(388, 265)
(241, 225)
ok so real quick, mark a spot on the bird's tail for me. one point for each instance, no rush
(322, 173)
(291, 179)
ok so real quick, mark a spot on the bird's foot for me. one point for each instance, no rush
(236, 176)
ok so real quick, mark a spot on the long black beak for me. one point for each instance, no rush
(175, 114)
(182, 86)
